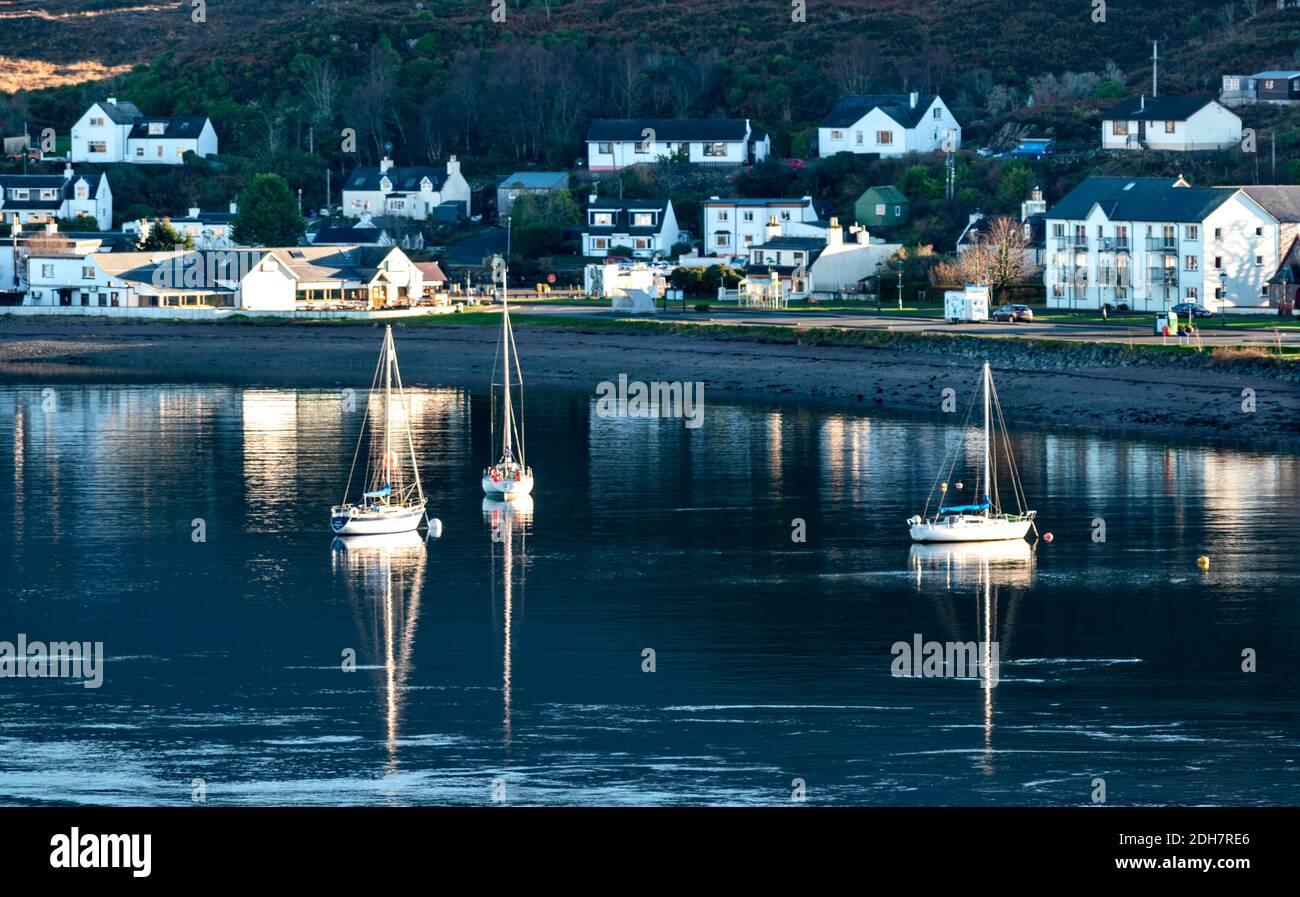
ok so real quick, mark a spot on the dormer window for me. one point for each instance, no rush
(643, 219)
(385, 184)
(157, 128)
(426, 185)
(602, 219)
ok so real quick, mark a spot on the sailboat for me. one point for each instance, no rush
(510, 476)
(983, 520)
(392, 502)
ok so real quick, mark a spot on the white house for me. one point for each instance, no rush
(647, 227)
(117, 131)
(826, 263)
(888, 125)
(1181, 124)
(279, 279)
(1149, 243)
(1277, 86)
(41, 198)
(207, 230)
(616, 143)
(422, 192)
(732, 226)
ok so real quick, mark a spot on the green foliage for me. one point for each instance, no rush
(162, 236)
(268, 214)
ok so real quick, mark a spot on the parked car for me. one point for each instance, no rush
(1195, 309)
(618, 260)
(1013, 313)
(1033, 148)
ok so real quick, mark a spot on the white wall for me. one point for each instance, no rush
(1213, 127)
(113, 135)
(743, 233)
(863, 135)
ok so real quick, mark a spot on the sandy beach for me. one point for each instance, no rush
(1175, 403)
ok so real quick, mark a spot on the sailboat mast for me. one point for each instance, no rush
(987, 459)
(388, 404)
(507, 425)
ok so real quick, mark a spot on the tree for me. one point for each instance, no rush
(162, 236)
(268, 214)
(1000, 258)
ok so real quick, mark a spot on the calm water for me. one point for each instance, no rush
(511, 648)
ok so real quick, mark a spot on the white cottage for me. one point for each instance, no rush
(37, 199)
(1181, 124)
(888, 125)
(732, 226)
(422, 193)
(616, 143)
(117, 131)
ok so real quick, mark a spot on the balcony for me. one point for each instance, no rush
(1162, 244)
(1115, 244)
(1074, 242)
(1114, 277)
(1161, 276)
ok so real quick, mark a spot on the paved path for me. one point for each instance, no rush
(1210, 335)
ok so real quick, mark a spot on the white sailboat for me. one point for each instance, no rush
(393, 501)
(983, 520)
(510, 477)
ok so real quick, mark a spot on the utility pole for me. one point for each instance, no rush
(1155, 69)
(1273, 142)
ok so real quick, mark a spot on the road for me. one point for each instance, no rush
(1211, 335)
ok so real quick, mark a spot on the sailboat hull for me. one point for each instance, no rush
(351, 520)
(970, 529)
(507, 488)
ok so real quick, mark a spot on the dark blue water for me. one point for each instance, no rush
(506, 658)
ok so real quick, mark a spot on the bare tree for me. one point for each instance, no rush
(321, 85)
(1228, 16)
(1000, 258)
(853, 66)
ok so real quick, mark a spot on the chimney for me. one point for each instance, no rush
(864, 236)
(773, 229)
(234, 207)
(67, 171)
(385, 164)
(1143, 104)
(112, 101)
(52, 227)
(592, 198)
(194, 211)
(914, 98)
(834, 236)
(453, 166)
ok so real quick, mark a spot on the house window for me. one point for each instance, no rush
(641, 243)
(47, 193)
(938, 113)
(1259, 231)
(1191, 263)
(858, 137)
(717, 148)
(88, 273)
(81, 191)
(785, 216)
(641, 147)
(180, 152)
(884, 138)
(1218, 233)
(723, 215)
(748, 216)
(723, 240)
(600, 242)
(605, 149)
(898, 211)
(1191, 232)
(1268, 84)
(1119, 128)
(602, 219)
(139, 152)
(47, 270)
(1259, 261)
(749, 239)
(1170, 126)
(1218, 262)
(643, 219)
(97, 123)
(97, 146)
(837, 135)
(1193, 294)
(160, 152)
(880, 208)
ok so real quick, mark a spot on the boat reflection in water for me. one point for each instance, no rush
(384, 576)
(509, 522)
(950, 572)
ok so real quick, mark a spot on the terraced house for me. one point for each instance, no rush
(1149, 243)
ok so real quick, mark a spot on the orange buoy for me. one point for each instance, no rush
(1047, 537)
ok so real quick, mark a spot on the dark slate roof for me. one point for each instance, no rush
(346, 236)
(123, 113)
(187, 128)
(405, 180)
(65, 186)
(534, 180)
(760, 201)
(667, 129)
(804, 243)
(1156, 108)
(1282, 201)
(1141, 199)
(622, 209)
(849, 109)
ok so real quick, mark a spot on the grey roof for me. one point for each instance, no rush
(404, 180)
(808, 243)
(343, 236)
(761, 201)
(886, 193)
(1140, 199)
(1282, 201)
(1156, 108)
(668, 129)
(534, 180)
(898, 106)
(65, 186)
(123, 112)
(185, 128)
(1276, 75)
(622, 209)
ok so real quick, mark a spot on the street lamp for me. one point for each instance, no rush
(900, 285)
(1223, 297)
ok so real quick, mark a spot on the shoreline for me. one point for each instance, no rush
(1184, 403)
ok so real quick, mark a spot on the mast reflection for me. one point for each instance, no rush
(985, 568)
(508, 522)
